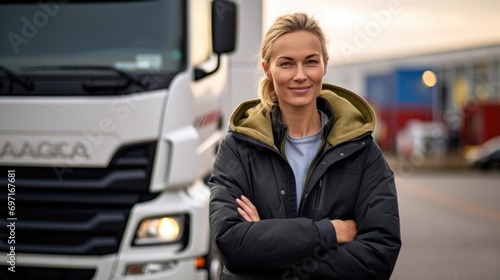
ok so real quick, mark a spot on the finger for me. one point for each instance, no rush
(247, 209)
(248, 203)
(244, 215)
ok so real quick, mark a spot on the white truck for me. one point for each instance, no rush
(110, 115)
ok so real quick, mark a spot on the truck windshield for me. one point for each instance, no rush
(131, 36)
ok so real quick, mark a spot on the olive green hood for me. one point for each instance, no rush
(353, 117)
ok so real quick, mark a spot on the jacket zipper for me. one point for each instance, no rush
(318, 197)
(316, 160)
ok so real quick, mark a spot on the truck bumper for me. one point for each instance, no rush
(97, 268)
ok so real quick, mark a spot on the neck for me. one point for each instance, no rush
(300, 124)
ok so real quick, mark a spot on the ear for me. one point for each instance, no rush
(326, 66)
(266, 70)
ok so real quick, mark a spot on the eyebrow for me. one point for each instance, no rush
(290, 58)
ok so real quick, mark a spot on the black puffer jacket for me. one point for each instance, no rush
(349, 179)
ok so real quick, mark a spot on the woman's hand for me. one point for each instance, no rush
(346, 230)
(247, 210)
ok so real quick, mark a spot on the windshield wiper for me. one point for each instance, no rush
(25, 83)
(130, 79)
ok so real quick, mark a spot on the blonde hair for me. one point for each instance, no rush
(285, 24)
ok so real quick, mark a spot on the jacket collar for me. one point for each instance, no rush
(353, 117)
(279, 128)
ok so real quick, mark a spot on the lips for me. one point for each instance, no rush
(300, 90)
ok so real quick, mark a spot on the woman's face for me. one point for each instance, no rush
(296, 67)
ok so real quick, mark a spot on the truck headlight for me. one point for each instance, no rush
(167, 229)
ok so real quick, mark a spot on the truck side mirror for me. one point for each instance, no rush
(223, 33)
(223, 26)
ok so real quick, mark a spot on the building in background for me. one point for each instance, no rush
(456, 91)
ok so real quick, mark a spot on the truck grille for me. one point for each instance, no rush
(77, 211)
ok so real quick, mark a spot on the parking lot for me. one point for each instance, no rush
(450, 222)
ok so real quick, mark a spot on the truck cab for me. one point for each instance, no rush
(110, 115)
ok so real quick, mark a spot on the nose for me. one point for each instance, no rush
(300, 75)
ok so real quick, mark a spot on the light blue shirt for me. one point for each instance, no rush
(300, 152)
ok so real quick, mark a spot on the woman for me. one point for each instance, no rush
(299, 188)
